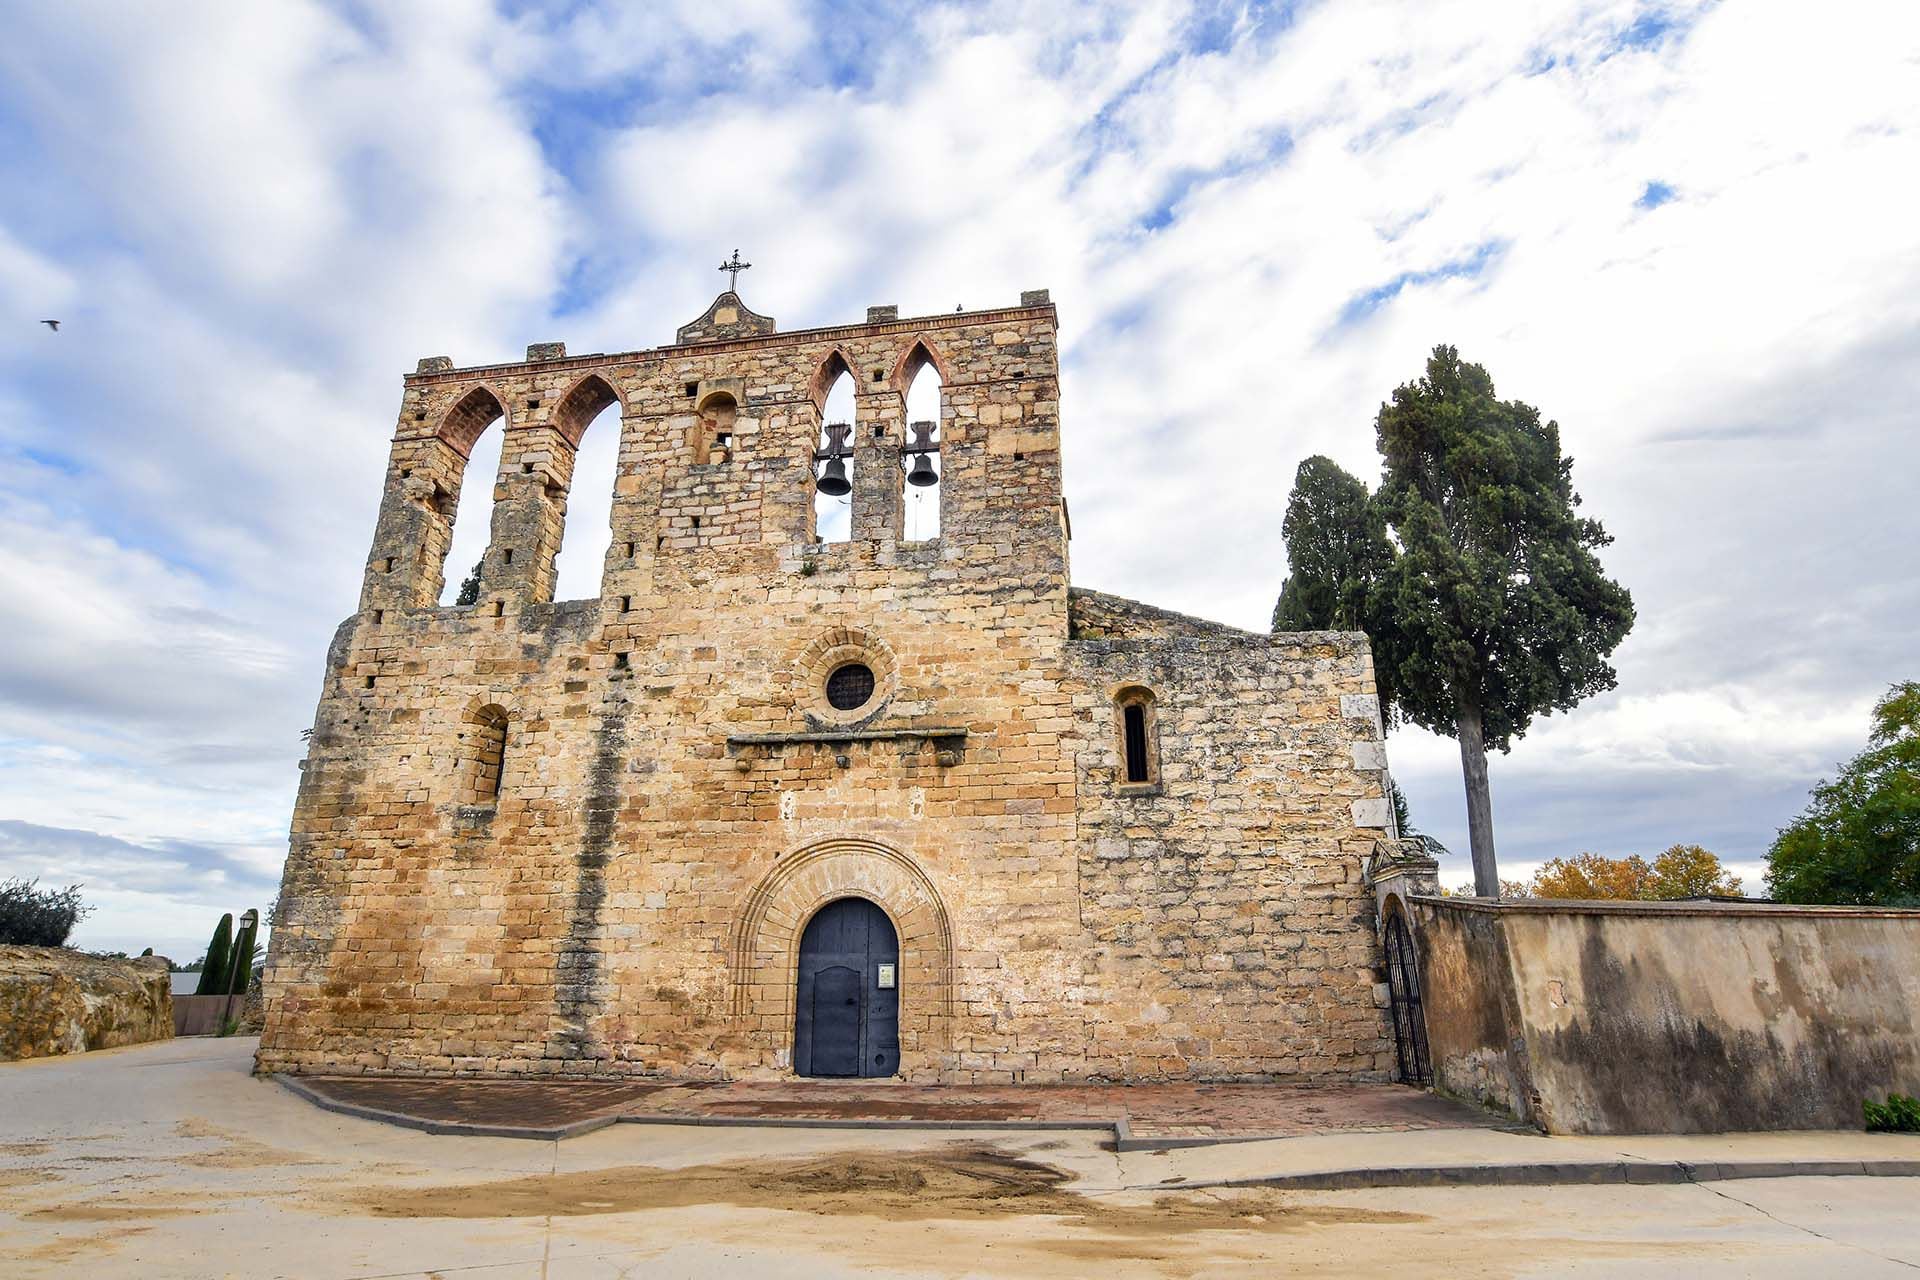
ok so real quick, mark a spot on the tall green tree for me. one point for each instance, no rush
(213, 974)
(469, 592)
(1337, 551)
(1402, 815)
(1501, 610)
(1858, 841)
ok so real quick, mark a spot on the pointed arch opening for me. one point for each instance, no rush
(834, 392)
(469, 430)
(589, 418)
(924, 468)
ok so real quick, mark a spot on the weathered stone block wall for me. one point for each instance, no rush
(677, 797)
(1230, 933)
(55, 1000)
(1672, 1017)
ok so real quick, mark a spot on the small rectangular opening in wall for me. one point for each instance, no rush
(391, 561)
(629, 551)
(533, 404)
(880, 433)
(1019, 457)
(406, 473)
(508, 557)
(879, 375)
(696, 522)
(499, 608)
(419, 417)
(379, 616)
(724, 439)
(626, 604)
(526, 468)
(369, 682)
(619, 662)
(693, 389)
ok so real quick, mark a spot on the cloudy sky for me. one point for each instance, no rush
(1686, 231)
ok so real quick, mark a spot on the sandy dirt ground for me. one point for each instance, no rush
(169, 1160)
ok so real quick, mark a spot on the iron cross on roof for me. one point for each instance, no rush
(733, 268)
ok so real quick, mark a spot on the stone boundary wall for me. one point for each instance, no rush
(1598, 1017)
(55, 1000)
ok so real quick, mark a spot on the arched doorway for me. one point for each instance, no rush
(1403, 992)
(847, 1015)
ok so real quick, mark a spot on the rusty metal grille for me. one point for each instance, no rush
(1403, 992)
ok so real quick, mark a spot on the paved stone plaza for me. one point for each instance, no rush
(1145, 1115)
(169, 1160)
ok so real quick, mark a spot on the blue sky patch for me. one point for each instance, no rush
(1362, 305)
(1656, 194)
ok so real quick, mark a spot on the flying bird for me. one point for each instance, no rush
(52, 324)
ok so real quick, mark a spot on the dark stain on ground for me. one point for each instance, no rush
(960, 1181)
(868, 1108)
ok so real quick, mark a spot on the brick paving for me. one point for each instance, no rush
(1152, 1111)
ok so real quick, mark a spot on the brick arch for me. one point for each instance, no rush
(915, 358)
(470, 417)
(829, 371)
(585, 401)
(766, 943)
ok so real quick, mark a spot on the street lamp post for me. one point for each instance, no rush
(249, 921)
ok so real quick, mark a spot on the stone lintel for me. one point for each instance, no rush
(737, 740)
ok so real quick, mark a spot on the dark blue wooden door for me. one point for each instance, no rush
(846, 1022)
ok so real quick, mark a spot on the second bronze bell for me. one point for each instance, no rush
(833, 479)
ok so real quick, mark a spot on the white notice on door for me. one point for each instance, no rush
(886, 977)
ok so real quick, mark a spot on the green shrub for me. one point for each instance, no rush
(1898, 1114)
(33, 917)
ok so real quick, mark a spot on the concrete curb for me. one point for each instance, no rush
(455, 1127)
(1568, 1173)
(818, 1122)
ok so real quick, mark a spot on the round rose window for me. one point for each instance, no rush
(850, 685)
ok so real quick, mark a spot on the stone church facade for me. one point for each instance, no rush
(771, 805)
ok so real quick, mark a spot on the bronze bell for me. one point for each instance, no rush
(921, 473)
(833, 479)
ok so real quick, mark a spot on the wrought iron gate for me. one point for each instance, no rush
(1403, 993)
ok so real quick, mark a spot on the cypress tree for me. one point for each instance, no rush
(1337, 551)
(1501, 611)
(213, 975)
(470, 585)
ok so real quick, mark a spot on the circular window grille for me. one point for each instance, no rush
(850, 686)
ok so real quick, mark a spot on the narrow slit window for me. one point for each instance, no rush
(1136, 730)
(1139, 754)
